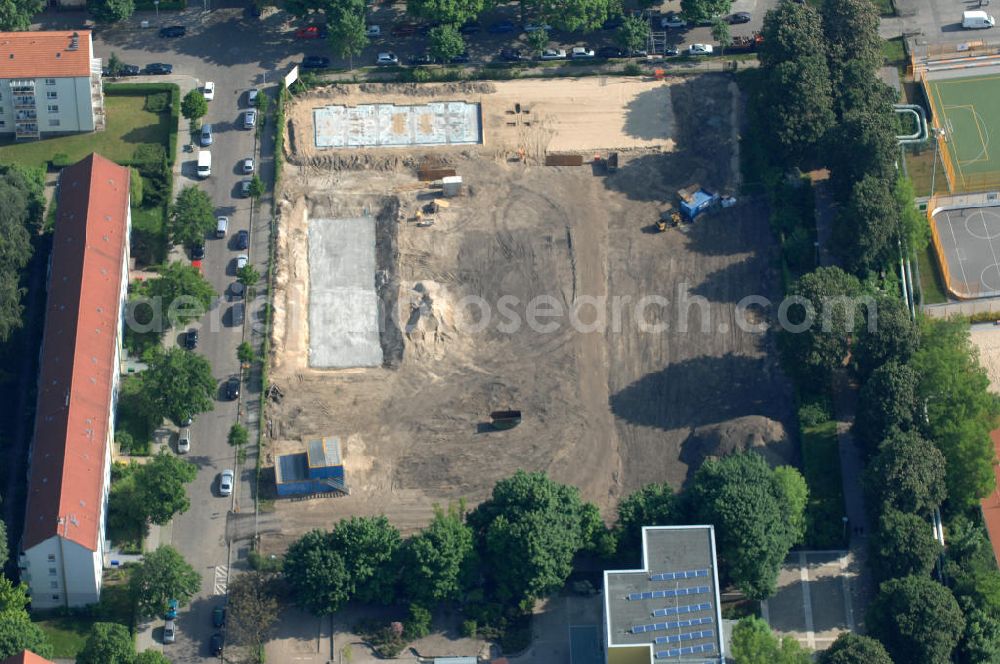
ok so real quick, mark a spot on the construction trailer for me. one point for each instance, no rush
(695, 200)
(319, 469)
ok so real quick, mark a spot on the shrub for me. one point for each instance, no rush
(157, 102)
(813, 414)
(469, 628)
(60, 160)
(632, 69)
(419, 623)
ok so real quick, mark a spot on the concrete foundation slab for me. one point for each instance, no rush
(392, 125)
(343, 303)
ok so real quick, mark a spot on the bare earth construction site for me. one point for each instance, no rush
(610, 402)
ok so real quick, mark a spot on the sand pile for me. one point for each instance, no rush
(430, 322)
(763, 435)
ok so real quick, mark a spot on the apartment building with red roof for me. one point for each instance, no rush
(63, 544)
(50, 83)
(26, 657)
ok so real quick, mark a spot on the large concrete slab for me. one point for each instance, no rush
(398, 125)
(343, 304)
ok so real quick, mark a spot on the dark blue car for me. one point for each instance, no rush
(502, 27)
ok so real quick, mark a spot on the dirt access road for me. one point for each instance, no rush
(608, 405)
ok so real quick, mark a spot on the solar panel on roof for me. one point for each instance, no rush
(679, 610)
(656, 627)
(687, 650)
(670, 576)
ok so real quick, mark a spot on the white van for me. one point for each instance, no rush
(204, 163)
(973, 20)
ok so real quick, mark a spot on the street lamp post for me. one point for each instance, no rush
(845, 527)
(156, 5)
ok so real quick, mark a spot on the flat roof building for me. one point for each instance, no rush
(668, 610)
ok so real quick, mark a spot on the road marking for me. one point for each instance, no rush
(807, 600)
(221, 579)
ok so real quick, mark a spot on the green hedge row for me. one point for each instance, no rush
(143, 89)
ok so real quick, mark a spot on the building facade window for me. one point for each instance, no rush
(55, 597)
(50, 81)
(53, 571)
(51, 94)
(52, 557)
(53, 108)
(53, 123)
(54, 584)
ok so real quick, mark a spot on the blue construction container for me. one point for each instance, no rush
(317, 470)
(694, 200)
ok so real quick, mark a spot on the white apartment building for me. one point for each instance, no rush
(50, 83)
(63, 545)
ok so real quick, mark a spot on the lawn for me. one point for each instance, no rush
(931, 290)
(129, 125)
(68, 631)
(130, 419)
(821, 465)
(148, 240)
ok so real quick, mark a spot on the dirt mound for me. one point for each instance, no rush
(430, 324)
(761, 434)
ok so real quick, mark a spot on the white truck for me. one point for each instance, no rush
(974, 20)
(204, 163)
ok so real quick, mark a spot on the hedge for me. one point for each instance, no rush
(137, 89)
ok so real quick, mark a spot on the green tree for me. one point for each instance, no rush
(18, 633)
(538, 41)
(980, 642)
(418, 624)
(794, 493)
(903, 544)
(917, 619)
(252, 609)
(176, 384)
(238, 435)
(527, 533)
(135, 187)
(437, 558)
(107, 643)
(13, 598)
(865, 141)
(908, 474)
(721, 33)
(851, 29)
(652, 505)
(887, 402)
(16, 15)
(110, 11)
(160, 490)
(799, 102)
(15, 247)
(446, 12)
(256, 187)
(248, 275)
(831, 299)
(370, 547)
(446, 42)
(316, 573)
(696, 11)
(194, 107)
(163, 575)
(791, 32)
(851, 648)
(633, 34)
(754, 643)
(4, 550)
(960, 410)
(182, 292)
(192, 217)
(867, 231)
(151, 657)
(888, 334)
(756, 522)
(348, 36)
(244, 352)
(114, 71)
(916, 231)
(576, 15)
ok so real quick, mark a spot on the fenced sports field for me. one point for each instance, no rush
(965, 108)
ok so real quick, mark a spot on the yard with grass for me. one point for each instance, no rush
(931, 289)
(129, 125)
(68, 631)
(821, 466)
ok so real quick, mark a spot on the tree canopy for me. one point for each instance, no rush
(446, 12)
(851, 648)
(887, 402)
(182, 292)
(251, 609)
(756, 520)
(369, 546)
(446, 42)
(888, 334)
(792, 32)
(192, 217)
(110, 11)
(19, 633)
(438, 558)
(194, 106)
(108, 643)
(652, 505)
(163, 575)
(704, 10)
(917, 619)
(576, 15)
(903, 544)
(851, 30)
(633, 33)
(961, 411)
(868, 228)
(908, 474)
(348, 36)
(18, 212)
(177, 384)
(316, 573)
(980, 642)
(754, 643)
(16, 15)
(151, 656)
(527, 533)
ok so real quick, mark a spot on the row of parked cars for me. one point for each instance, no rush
(217, 640)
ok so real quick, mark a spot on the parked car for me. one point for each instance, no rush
(169, 632)
(198, 252)
(387, 59)
(581, 53)
(215, 645)
(641, 53)
(172, 604)
(247, 166)
(461, 59)
(373, 31)
(241, 261)
(673, 20)
(510, 55)
(208, 90)
(206, 135)
(242, 240)
(191, 339)
(501, 28)
(221, 226)
(311, 32)
(226, 478)
(611, 52)
(470, 28)
(218, 617)
(173, 31)
(405, 29)
(237, 313)
(159, 68)
(249, 119)
(535, 27)
(252, 96)
(315, 62)
(700, 49)
(233, 388)
(552, 54)
(183, 447)
(245, 188)
(670, 51)
(740, 17)
(236, 291)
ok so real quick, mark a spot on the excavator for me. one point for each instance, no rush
(668, 218)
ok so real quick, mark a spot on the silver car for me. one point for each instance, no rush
(169, 632)
(206, 135)
(226, 482)
(249, 119)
